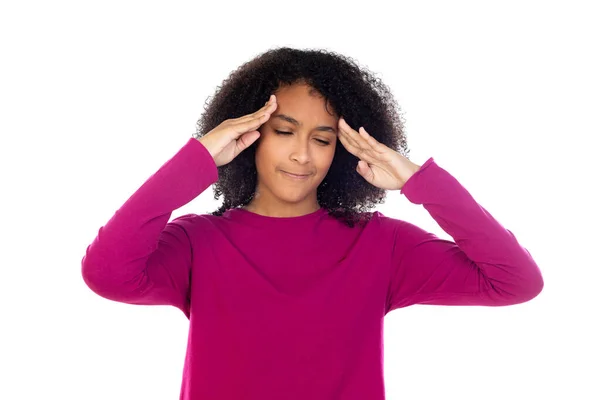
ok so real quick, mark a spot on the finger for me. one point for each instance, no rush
(353, 135)
(267, 108)
(362, 138)
(358, 143)
(263, 115)
(245, 141)
(350, 146)
(249, 125)
(344, 134)
(365, 171)
(353, 147)
(375, 145)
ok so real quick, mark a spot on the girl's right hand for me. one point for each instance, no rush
(233, 136)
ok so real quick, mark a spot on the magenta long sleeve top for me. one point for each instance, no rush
(293, 308)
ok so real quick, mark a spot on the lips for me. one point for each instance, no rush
(294, 175)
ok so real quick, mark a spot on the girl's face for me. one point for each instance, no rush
(299, 138)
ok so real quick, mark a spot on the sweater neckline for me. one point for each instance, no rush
(244, 215)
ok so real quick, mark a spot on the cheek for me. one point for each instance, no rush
(266, 155)
(326, 160)
(259, 159)
(330, 152)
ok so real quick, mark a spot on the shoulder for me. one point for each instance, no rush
(399, 228)
(191, 222)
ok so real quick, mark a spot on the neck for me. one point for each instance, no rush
(292, 210)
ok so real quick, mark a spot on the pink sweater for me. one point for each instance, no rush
(293, 308)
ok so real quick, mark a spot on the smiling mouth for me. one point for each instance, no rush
(294, 176)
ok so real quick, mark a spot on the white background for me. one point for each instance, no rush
(96, 96)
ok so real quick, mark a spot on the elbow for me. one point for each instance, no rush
(95, 278)
(528, 291)
(111, 284)
(535, 288)
(521, 291)
(91, 277)
(92, 271)
(535, 283)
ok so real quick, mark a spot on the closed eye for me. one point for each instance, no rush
(323, 142)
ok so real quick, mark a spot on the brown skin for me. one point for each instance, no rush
(301, 152)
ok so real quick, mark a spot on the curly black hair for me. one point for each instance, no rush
(353, 91)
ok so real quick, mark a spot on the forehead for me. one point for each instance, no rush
(303, 103)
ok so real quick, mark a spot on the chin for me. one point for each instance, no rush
(295, 197)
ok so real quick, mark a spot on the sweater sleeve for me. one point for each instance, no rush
(483, 266)
(138, 257)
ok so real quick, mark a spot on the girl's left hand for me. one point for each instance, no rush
(379, 165)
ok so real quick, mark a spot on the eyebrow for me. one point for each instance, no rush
(295, 122)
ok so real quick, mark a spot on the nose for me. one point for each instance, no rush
(300, 152)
